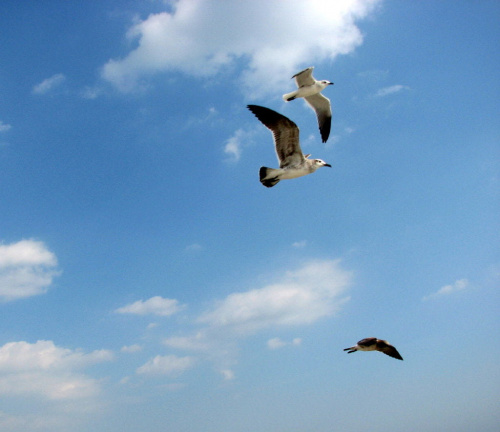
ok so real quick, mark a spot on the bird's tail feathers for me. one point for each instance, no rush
(289, 96)
(268, 176)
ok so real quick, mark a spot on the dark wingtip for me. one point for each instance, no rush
(325, 129)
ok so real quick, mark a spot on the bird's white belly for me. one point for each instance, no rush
(291, 173)
(306, 91)
(366, 348)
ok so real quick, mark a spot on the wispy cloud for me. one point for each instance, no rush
(204, 37)
(277, 343)
(4, 127)
(166, 365)
(52, 383)
(234, 145)
(27, 268)
(91, 92)
(391, 90)
(197, 342)
(153, 306)
(458, 285)
(299, 297)
(46, 370)
(228, 374)
(49, 84)
(302, 296)
(131, 348)
(195, 247)
(299, 244)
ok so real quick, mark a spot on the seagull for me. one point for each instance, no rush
(310, 90)
(293, 163)
(374, 344)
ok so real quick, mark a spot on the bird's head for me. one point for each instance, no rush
(325, 83)
(318, 163)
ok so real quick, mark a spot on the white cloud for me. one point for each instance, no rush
(26, 252)
(166, 365)
(233, 145)
(458, 285)
(43, 369)
(299, 244)
(153, 306)
(195, 247)
(27, 268)
(198, 342)
(131, 348)
(49, 384)
(276, 343)
(302, 296)
(91, 92)
(49, 84)
(391, 90)
(205, 37)
(4, 127)
(228, 374)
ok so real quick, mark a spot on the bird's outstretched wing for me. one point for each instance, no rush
(321, 105)
(388, 349)
(304, 78)
(285, 133)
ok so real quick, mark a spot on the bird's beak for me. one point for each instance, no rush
(331, 83)
(328, 165)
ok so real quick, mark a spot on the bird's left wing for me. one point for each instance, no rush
(285, 133)
(304, 78)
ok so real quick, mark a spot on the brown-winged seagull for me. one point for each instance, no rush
(374, 344)
(293, 163)
(310, 90)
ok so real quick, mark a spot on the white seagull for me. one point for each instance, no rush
(374, 344)
(310, 90)
(293, 163)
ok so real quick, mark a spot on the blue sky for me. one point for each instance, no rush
(148, 281)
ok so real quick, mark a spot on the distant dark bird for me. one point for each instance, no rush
(374, 344)
(293, 163)
(310, 90)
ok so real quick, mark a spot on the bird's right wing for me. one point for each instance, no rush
(285, 133)
(321, 105)
(392, 352)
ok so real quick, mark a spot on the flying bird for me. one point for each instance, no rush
(293, 163)
(310, 90)
(374, 344)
